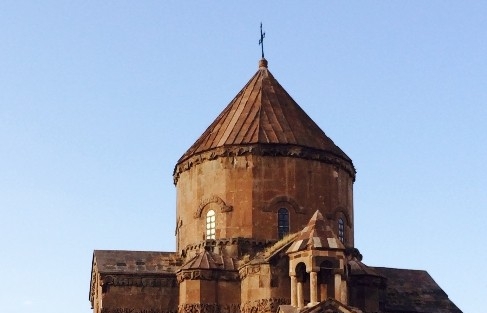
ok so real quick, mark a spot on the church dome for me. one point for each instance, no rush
(261, 118)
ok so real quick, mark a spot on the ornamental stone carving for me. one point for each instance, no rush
(202, 274)
(249, 270)
(242, 242)
(128, 280)
(94, 283)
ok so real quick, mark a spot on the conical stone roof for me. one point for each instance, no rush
(316, 235)
(264, 116)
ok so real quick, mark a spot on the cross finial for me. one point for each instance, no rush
(261, 40)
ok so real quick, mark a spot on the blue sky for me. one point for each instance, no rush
(98, 100)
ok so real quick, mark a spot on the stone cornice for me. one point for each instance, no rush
(265, 150)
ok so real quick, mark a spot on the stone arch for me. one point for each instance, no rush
(283, 201)
(212, 199)
(326, 277)
(342, 212)
(301, 272)
(343, 225)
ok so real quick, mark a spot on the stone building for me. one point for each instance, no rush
(264, 224)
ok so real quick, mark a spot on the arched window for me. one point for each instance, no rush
(210, 224)
(341, 230)
(282, 222)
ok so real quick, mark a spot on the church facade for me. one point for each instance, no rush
(264, 224)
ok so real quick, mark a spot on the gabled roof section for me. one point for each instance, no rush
(316, 235)
(209, 260)
(414, 291)
(263, 113)
(132, 263)
(140, 262)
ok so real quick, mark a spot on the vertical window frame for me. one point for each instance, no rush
(210, 229)
(341, 230)
(282, 222)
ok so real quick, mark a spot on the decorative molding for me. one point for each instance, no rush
(207, 274)
(94, 283)
(213, 199)
(283, 201)
(269, 305)
(239, 241)
(265, 150)
(139, 281)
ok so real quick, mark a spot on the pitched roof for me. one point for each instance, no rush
(210, 260)
(359, 268)
(140, 262)
(316, 235)
(263, 113)
(414, 291)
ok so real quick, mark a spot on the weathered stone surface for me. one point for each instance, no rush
(246, 237)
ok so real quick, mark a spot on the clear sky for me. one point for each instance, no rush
(98, 100)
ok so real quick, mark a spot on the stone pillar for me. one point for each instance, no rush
(338, 287)
(294, 291)
(300, 295)
(313, 285)
(344, 292)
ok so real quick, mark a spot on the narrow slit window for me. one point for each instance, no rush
(282, 222)
(341, 230)
(210, 224)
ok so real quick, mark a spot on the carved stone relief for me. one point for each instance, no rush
(128, 280)
(94, 284)
(270, 305)
(249, 270)
(198, 274)
(208, 308)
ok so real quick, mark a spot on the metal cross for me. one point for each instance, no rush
(261, 41)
